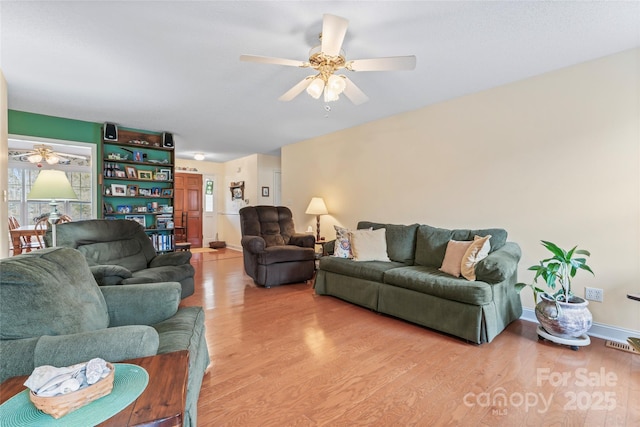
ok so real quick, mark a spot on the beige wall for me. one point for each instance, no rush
(553, 157)
(4, 164)
(255, 170)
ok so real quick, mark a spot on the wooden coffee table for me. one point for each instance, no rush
(162, 402)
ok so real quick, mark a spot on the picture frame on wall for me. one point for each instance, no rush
(265, 191)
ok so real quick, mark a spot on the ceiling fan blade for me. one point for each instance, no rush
(75, 156)
(297, 89)
(391, 63)
(354, 93)
(334, 29)
(271, 60)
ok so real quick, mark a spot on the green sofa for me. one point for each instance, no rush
(411, 287)
(119, 252)
(52, 312)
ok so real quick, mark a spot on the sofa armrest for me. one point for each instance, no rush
(500, 265)
(170, 258)
(253, 244)
(303, 240)
(111, 344)
(109, 274)
(16, 357)
(141, 304)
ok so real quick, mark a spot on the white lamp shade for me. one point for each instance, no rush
(52, 185)
(317, 207)
(316, 87)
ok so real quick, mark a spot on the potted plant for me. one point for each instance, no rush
(559, 312)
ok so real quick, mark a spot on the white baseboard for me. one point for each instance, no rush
(598, 330)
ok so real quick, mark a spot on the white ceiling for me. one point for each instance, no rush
(174, 65)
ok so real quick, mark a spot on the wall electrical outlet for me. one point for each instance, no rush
(594, 294)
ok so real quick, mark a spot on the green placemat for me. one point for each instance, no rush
(128, 383)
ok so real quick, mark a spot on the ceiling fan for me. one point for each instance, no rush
(45, 153)
(328, 58)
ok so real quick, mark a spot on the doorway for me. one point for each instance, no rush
(187, 206)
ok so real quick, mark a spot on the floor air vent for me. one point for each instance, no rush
(621, 346)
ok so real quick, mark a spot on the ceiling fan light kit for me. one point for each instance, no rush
(46, 153)
(328, 58)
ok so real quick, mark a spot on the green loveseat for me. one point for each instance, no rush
(119, 252)
(410, 286)
(52, 312)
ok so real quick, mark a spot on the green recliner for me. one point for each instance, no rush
(52, 312)
(119, 252)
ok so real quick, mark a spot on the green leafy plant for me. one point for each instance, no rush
(557, 272)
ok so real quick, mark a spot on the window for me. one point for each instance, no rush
(21, 178)
(22, 174)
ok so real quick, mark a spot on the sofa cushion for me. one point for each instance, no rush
(367, 270)
(342, 247)
(401, 240)
(452, 262)
(477, 251)
(56, 288)
(286, 253)
(431, 243)
(167, 273)
(429, 280)
(127, 253)
(369, 245)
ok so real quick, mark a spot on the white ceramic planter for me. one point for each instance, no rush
(573, 320)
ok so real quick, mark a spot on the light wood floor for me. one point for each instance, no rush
(287, 357)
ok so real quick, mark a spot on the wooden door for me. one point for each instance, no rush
(188, 200)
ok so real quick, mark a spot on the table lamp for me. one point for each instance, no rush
(317, 207)
(52, 185)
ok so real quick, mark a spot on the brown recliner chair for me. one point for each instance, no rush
(274, 254)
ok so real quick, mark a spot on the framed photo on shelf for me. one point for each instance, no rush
(107, 208)
(132, 190)
(146, 192)
(265, 191)
(145, 175)
(137, 156)
(118, 190)
(155, 191)
(137, 218)
(120, 173)
(168, 173)
(124, 209)
(167, 192)
(132, 173)
(161, 176)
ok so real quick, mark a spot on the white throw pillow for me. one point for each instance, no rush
(476, 252)
(369, 245)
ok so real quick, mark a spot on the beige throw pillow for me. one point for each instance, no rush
(451, 264)
(476, 252)
(369, 245)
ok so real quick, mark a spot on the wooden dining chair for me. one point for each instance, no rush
(41, 228)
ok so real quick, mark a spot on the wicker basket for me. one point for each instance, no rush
(59, 406)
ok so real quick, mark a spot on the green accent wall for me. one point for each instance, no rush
(32, 124)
